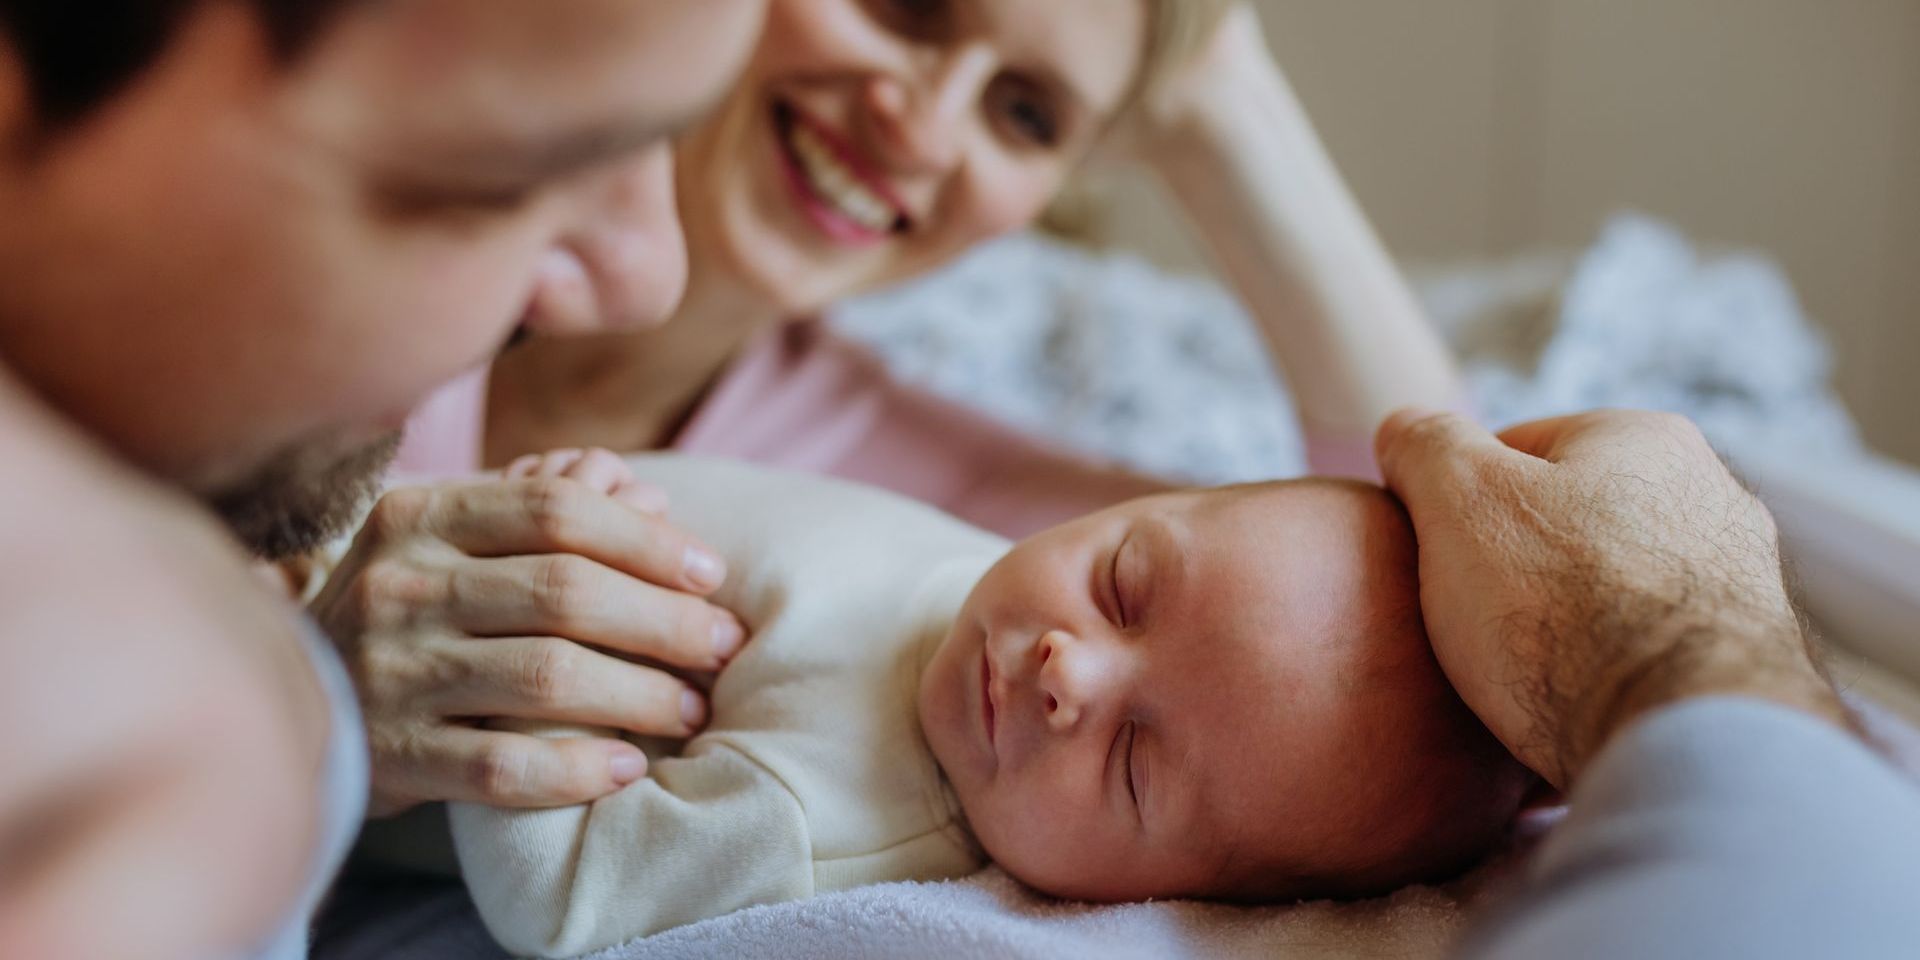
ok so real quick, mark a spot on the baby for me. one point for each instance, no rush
(1221, 693)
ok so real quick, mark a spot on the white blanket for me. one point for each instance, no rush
(986, 916)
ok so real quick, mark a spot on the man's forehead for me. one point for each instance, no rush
(510, 70)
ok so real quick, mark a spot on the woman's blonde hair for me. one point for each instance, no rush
(1177, 30)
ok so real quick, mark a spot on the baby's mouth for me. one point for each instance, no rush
(986, 702)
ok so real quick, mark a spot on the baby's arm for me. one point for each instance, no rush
(702, 836)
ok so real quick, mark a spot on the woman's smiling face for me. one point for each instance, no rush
(873, 140)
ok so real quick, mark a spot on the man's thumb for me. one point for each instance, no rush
(1424, 452)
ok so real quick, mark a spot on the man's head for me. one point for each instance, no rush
(1220, 694)
(244, 238)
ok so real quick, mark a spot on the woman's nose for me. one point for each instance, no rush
(923, 119)
(1075, 677)
(622, 261)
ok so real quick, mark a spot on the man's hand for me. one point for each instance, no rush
(559, 594)
(1576, 573)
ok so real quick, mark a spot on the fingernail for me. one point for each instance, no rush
(704, 569)
(627, 766)
(728, 636)
(693, 710)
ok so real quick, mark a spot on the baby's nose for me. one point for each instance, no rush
(1072, 678)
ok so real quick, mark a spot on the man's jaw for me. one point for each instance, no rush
(304, 496)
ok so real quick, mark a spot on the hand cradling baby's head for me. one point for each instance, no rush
(1225, 694)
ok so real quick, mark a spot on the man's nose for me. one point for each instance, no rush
(622, 262)
(1076, 677)
(923, 119)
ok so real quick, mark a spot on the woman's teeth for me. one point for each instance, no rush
(836, 184)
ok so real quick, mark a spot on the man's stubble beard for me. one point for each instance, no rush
(304, 496)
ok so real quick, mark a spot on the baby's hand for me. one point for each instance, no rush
(598, 468)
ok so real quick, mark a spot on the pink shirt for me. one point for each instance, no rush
(801, 397)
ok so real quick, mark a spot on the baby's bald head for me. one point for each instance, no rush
(1224, 693)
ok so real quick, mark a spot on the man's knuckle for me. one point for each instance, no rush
(564, 588)
(551, 673)
(399, 513)
(1426, 434)
(498, 770)
(402, 585)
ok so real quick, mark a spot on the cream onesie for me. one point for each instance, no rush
(812, 775)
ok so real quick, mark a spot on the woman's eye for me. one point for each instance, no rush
(1025, 112)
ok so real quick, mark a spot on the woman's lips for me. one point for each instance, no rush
(831, 184)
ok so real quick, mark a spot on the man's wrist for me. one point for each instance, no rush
(1692, 662)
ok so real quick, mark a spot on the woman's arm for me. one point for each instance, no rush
(1236, 148)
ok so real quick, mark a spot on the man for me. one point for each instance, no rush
(1609, 601)
(242, 238)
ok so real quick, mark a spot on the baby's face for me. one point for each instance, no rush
(1183, 692)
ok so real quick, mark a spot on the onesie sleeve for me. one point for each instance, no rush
(701, 835)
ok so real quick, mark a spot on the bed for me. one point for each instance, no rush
(1106, 354)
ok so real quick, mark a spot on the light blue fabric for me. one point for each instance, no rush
(1723, 828)
(343, 797)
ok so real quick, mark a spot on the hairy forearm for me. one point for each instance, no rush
(1352, 340)
(1669, 647)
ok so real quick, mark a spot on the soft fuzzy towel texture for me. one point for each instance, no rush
(986, 916)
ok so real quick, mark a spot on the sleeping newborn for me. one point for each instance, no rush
(1216, 693)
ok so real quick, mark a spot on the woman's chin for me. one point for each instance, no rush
(790, 280)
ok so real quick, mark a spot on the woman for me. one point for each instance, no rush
(871, 141)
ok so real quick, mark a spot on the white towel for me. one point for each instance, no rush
(988, 916)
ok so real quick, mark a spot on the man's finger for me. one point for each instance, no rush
(547, 516)
(1565, 439)
(564, 595)
(557, 681)
(1423, 453)
(515, 770)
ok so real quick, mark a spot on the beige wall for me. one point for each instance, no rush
(1476, 128)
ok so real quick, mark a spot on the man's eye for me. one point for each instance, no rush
(914, 19)
(422, 202)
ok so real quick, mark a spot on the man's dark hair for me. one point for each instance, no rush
(78, 54)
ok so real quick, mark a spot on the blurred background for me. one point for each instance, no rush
(1480, 129)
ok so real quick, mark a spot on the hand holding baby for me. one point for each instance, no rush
(524, 598)
(1578, 573)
